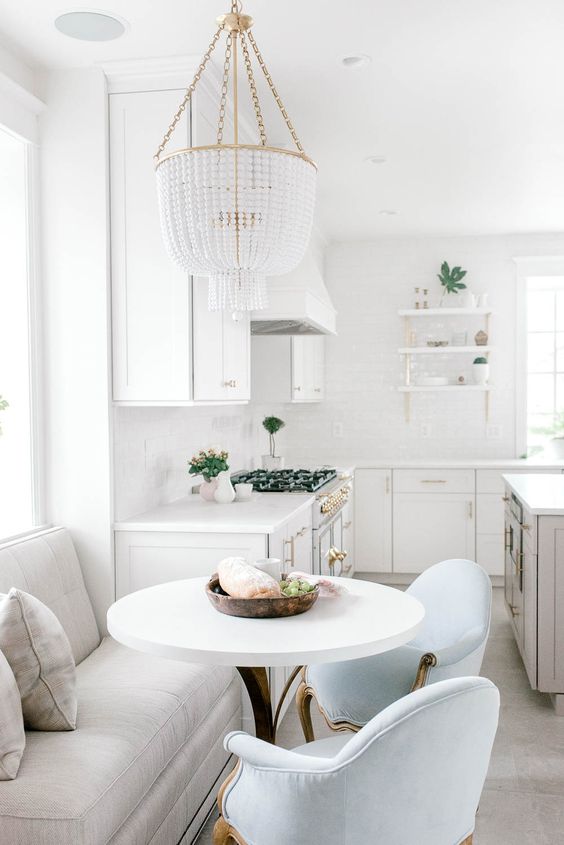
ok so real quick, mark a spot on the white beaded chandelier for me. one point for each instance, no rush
(236, 212)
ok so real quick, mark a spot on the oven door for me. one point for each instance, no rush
(330, 537)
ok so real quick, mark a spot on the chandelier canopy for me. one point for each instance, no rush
(236, 212)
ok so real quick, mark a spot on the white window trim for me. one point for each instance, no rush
(548, 265)
(35, 341)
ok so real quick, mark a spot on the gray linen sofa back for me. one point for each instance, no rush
(46, 566)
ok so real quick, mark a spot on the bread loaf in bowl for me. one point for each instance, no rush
(242, 581)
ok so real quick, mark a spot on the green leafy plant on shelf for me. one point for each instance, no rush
(209, 462)
(273, 426)
(3, 405)
(451, 280)
(480, 360)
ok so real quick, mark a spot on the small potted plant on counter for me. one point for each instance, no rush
(451, 280)
(273, 426)
(210, 464)
(480, 370)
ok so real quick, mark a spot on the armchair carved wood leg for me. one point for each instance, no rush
(304, 696)
(224, 834)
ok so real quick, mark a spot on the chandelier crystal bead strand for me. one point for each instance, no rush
(236, 213)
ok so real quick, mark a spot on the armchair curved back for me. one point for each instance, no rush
(413, 774)
(457, 596)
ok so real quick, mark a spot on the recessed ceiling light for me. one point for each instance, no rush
(356, 61)
(91, 25)
(388, 212)
(376, 159)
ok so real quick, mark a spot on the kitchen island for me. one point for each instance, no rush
(534, 577)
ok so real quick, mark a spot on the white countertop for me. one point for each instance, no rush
(451, 463)
(263, 514)
(542, 495)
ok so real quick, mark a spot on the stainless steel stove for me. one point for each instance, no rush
(333, 491)
(286, 480)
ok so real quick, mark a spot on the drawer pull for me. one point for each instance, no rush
(230, 383)
(505, 498)
(387, 484)
(303, 531)
(290, 560)
(433, 481)
(470, 510)
(348, 524)
(526, 527)
(514, 611)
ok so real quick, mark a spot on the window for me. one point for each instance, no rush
(545, 360)
(18, 476)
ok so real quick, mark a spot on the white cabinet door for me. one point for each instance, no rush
(373, 520)
(221, 351)
(150, 294)
(146, 558)
(430, 527)
(348, 538)
(308, 368)
(489, 532)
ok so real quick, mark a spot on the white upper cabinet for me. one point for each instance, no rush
(150, 294)
(288, 368)
(221, 351)
(308, 368)
(167, 347)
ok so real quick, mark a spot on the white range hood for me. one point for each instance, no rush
(298, 303)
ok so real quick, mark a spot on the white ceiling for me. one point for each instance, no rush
(463, 98)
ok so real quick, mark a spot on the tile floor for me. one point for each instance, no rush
(523, 799)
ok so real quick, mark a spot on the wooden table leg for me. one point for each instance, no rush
(255, 679)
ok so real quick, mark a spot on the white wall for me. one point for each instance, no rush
(368, 283)
(152, 447)
(74, 212)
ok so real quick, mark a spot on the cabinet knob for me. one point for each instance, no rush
(297, 388)
(505, 498)
(317, 390)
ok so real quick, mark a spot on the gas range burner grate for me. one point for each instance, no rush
(286, 480)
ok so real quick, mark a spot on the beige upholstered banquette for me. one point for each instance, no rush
(144, 762)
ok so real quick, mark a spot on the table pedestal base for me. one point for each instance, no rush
(256, 682)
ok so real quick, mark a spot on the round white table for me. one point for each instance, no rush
(177, 621)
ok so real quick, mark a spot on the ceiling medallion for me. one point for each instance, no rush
(236, 213)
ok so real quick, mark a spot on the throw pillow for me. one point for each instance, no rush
(39, 653)
(12, 734)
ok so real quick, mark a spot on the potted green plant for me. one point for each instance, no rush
(3, 405)
(273, 426)
(480, 370)
(209, 463)
(451, 280)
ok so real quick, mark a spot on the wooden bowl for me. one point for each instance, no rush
(259, 608)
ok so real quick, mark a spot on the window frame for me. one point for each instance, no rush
(527, 266)
(35, 339)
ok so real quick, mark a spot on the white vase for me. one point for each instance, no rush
(207, 489)
(224, 492)
(480, 373)
(270, 463)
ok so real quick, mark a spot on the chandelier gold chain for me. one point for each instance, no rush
(253, 87)
(224, 89)
(275, 93)
(188, 95)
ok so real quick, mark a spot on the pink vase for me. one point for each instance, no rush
(207, 489)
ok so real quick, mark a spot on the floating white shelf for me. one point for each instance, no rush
(443, 312)
(425, 388)
(442, 350)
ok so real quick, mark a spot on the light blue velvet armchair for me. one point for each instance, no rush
(457, 598)
(412, 776)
